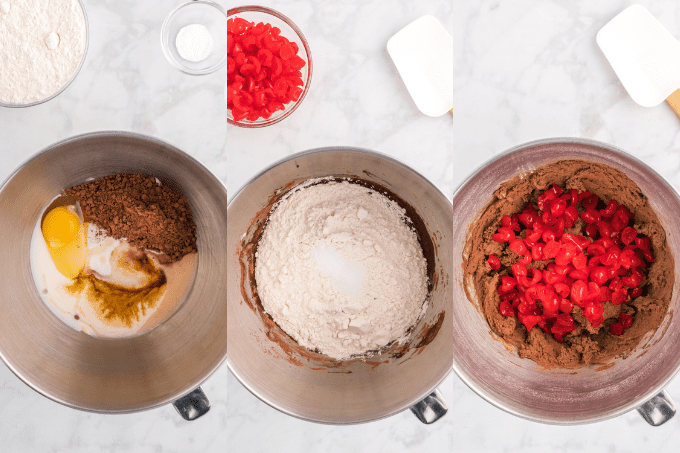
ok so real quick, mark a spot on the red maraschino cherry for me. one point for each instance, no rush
(587, 271)
(263, 70)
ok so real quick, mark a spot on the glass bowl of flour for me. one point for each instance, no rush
(194, 37)
(46, 56)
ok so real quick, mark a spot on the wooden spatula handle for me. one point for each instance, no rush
(674, 101)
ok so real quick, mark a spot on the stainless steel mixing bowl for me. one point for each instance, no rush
(311, 386)
(517, 385)
(113, 375)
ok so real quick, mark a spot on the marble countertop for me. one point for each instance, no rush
(356, 98)
(125, 84)
(524, 70)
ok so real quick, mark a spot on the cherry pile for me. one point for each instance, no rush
(263, 70)
(605, 265)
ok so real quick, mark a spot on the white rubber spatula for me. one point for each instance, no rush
(423, 54)
(644, 55)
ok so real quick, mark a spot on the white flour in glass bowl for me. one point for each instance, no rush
(41, 46)
(339, 270)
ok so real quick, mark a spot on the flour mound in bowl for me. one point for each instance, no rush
(340, 270)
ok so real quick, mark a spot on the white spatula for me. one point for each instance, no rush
(423, 54)
(644, 55)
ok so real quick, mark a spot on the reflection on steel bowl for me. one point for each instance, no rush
(522, 387)
(312, 386)
(113, 375)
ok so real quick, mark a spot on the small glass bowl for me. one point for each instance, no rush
(288, 30)
(207, 13)
(69, 81)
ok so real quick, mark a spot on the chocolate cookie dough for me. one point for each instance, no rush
(585, 345)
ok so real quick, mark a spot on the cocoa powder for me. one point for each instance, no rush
(151, 216)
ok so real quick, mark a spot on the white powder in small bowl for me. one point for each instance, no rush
(194, 43)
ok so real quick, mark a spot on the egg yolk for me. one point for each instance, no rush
(63, 233)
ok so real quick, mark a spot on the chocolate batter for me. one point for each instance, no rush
(585, 345)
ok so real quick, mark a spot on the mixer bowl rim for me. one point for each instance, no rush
(318, 150)
(113, 133)
(469, 380)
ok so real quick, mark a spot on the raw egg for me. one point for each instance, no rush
(64, 234)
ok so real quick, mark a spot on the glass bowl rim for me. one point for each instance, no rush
(166, 51)
(263, 9)
(16, 105)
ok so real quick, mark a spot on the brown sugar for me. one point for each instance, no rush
(151, 216)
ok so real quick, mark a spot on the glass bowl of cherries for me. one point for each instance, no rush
(269, 67)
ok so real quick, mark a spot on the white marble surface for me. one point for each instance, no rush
(125, 84)
(526, 70)
(356, 98)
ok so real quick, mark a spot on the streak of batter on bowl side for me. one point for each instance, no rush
(297, 354)
(586, 345)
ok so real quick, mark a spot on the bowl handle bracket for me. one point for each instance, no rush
(431, 408)
(192, 405)
(658, 410)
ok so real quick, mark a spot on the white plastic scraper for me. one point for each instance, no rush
(423, 54)
(644, 55)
